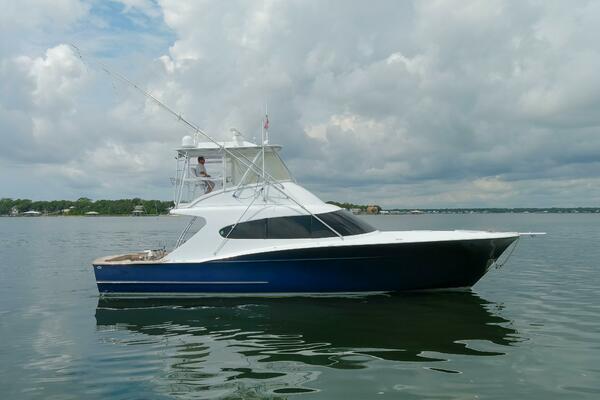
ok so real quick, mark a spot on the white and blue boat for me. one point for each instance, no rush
(258, 232)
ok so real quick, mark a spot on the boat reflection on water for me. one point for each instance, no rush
(280, 339)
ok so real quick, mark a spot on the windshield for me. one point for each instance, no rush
(238, 172)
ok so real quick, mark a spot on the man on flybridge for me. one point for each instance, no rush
(200, 172)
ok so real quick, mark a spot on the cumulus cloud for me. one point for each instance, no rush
(438, 103)
(39, 96)
(35, 16)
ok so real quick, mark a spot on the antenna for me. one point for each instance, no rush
(262, 145)
(266, 125)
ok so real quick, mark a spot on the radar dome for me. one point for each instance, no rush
(187, 141)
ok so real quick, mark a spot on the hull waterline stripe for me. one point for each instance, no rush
(186, 282)
(151, 295)
(229, 260)
(297, 259)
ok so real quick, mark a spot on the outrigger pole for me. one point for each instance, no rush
(244, 160)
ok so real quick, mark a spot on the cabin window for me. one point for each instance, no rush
(298, 227)
(247, 230)
(345, 223)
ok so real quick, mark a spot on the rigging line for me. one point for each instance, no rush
(248, 164)
(243, 179)
(184, 174)
(499, 264)
(226, 238)
(185, 231)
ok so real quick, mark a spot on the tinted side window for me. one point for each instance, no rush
(295, 227)
(345, 223)
(318, 230)
(247, 230)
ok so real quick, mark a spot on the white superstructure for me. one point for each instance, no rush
(240, 192)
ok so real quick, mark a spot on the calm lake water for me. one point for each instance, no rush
(528, 330)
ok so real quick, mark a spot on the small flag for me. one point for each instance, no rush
(266, 126)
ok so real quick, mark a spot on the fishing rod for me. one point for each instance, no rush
(267, 178)
(177, 115)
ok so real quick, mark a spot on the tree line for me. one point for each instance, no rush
(84, 205)
(362, 207)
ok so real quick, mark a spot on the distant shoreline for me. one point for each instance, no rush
(553, 210)
(86, 216)
(84, 206)
(583, 210)
(139, 207)
(376, 209)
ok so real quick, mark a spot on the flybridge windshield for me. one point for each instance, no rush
(238, 173)
(202, 171)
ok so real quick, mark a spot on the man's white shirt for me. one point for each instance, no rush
(200, 170)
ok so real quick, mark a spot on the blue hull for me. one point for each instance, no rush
(367, 268)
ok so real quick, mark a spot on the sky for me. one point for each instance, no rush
(420, 104)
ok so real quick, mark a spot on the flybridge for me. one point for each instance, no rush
(225, 166)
